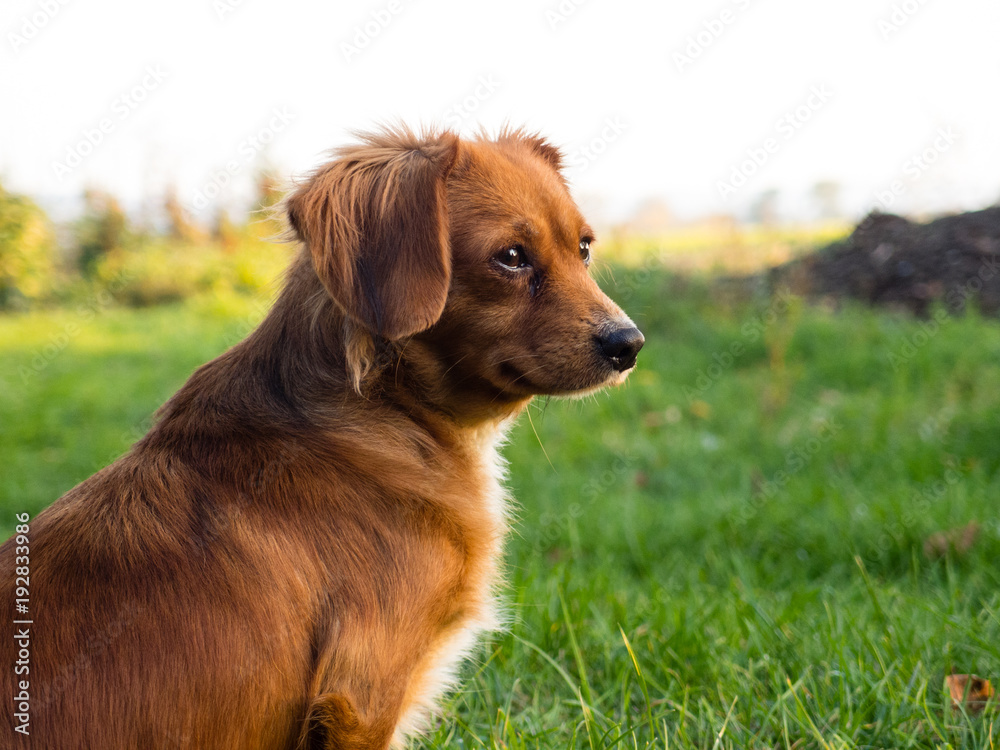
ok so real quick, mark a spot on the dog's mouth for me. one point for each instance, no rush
(582, 380)
(615, 379)
(619, 377)
(602, 357)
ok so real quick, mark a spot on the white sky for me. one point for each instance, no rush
(563, 68)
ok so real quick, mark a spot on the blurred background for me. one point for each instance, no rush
(783, 531)
(688, 121)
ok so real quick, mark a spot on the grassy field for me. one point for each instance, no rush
(728, 552)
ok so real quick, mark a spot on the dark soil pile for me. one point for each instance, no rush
(889, 260)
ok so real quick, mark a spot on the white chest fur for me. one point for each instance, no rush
(438, 672)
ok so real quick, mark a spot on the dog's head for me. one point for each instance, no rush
(471, 256)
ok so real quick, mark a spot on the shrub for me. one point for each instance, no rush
(27, 251)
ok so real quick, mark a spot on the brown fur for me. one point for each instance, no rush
(301, 548)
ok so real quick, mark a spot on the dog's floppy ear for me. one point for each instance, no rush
(376, 223)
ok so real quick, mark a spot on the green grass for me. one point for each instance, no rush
(669, 586)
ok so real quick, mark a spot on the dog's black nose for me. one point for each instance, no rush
(621, 345)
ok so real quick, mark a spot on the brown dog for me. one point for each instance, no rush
(303, 548)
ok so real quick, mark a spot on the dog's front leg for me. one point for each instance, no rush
(333, 723)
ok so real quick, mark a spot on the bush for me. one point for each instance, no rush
(101, 230)
(162, 270)
(27, 251)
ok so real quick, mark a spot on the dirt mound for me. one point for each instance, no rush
(889, 260)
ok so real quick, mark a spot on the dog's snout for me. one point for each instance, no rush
(621, 345)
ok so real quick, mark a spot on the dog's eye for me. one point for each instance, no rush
(512, 257)
(585, 251)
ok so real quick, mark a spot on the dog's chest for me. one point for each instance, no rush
(481, 612)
